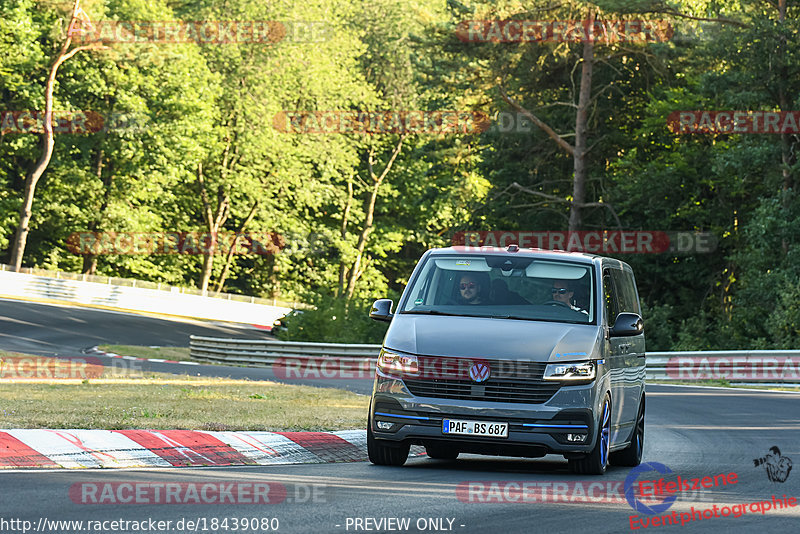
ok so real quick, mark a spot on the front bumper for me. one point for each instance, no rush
(534, 429)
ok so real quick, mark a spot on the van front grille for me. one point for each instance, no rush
(509, 381)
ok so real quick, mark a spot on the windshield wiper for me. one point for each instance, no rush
(517, 317)
(430, 312)
(437, 312)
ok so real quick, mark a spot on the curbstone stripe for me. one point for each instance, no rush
(95, 350)
(75, 449)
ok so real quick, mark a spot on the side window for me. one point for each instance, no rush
(447, 286)
(423, 291)
(626, 291)
(610, 296)
(631, 289)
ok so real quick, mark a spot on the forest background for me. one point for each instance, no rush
(578, 140)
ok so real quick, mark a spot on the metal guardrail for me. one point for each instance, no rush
(753, 366)
(142, 284)
(72, 292)
(267, 352)
(739, 366)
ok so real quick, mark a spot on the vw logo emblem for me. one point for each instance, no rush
(479, 372)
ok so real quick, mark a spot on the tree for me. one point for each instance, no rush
(18, 248)
(287, 176)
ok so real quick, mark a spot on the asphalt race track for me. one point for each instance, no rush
(693, 432)
(51, 330)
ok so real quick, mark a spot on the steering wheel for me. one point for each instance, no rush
(556, 303)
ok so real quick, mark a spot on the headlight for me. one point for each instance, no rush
(393, 363)
(570, 371)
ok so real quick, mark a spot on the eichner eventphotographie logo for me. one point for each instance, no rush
(640, 493)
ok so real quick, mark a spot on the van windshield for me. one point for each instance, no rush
(505, 287)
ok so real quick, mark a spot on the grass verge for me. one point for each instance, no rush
(159, 401)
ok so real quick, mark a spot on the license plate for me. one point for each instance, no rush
(475, 428)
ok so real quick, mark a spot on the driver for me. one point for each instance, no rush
(563, 292)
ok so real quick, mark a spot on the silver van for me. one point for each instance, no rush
(512, 352)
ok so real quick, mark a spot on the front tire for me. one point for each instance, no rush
(631, 456)
(596, 462)
(380, 454)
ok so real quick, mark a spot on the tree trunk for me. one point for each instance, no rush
(229, 257)
(787, 153)
(343, 233)
(581, 120)
(90, 260)
(579, 150)
(208, 261)
(214, 221)
(355, 270)
(25, 212)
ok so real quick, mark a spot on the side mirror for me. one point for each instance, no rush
(381, 310)
(627, 324)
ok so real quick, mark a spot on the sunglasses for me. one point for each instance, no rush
(470, 285)
(560, 290)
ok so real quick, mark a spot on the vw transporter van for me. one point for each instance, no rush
(512, 352)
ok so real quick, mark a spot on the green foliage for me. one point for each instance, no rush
(209, 108)
(334, 321)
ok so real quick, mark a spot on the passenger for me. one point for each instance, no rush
(471, 289)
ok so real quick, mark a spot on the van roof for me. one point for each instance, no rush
(526, 252)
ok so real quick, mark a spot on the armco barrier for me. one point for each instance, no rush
(167, 301)
(740, 366)
(755, 366)
(263, 353)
